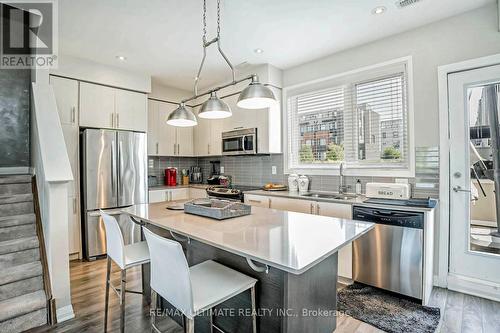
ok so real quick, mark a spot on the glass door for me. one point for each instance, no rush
(473, 123)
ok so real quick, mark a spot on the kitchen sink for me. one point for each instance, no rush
(333, 196)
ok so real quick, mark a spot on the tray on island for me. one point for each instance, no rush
(217, 209)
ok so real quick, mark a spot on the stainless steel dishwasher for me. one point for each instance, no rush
(391, 255)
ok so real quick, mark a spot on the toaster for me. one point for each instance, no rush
(388, 190)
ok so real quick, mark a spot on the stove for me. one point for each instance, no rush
(234, 192)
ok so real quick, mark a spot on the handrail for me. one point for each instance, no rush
(51, 305)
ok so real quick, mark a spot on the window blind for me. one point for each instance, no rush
(360, 119)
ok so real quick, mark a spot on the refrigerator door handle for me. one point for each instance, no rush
(113, 165)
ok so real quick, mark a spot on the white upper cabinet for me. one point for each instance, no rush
(106, 107)
(267, 121)
(163, 139)
(130, 108)
(97, 106)
(208, 137)
(66, 93)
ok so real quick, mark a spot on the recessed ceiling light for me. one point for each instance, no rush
(258, 51)
(121, 58)
(379, 10)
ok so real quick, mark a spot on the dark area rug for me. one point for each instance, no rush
(387, 311)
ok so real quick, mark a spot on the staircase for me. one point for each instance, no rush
(23, 300)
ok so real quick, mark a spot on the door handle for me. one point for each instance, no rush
(459, 188)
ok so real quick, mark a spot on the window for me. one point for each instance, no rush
(361, 118)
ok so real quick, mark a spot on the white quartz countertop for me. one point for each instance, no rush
(293, 242)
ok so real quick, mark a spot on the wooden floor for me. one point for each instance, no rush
(460, 313)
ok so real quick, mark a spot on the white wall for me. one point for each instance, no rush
(87, 70)
(470, 35)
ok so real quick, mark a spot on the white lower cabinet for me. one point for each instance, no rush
(257, 200)
(343, 211)
(168, 195)
(293, 205)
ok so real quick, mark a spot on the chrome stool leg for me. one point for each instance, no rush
(106, 302)
(189, 326)
(254, 314)
(122, 300)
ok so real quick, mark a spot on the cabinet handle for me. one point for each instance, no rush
(254, 201)
(117, 120)
(112, 120)
(209, 148)
(74, 205)
(312, 208)
(269, 203)
(73, 115)
(178, 148)
(239, 127)
(317, 209)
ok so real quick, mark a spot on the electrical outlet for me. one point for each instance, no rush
(221, 169)
(273, 169)
(151, 163)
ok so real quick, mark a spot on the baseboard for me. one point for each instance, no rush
(475, 287)
(15, 171)
(344, 280)
(65, 313)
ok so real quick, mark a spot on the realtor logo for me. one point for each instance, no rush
(28, 34)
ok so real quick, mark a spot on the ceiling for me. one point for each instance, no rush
(163, 37)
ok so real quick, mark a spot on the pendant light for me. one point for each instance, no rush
(256, 96)
(182, 117)
(214, 108)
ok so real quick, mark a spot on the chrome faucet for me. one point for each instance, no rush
(342, 187)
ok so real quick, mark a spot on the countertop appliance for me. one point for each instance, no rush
(240, 142)
(114, 175)
(195, 175)
(235, 192)
(391, 255)
(388, 190)
(171, 176)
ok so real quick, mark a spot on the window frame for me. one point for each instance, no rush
(365, 73)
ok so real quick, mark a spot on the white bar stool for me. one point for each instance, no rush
(125, 256)
(192, 290)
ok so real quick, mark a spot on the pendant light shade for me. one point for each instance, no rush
(256, 96)
(182, 117)
(214, 108)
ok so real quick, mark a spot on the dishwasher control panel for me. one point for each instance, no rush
(389, 217)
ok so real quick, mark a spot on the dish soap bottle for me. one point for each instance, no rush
(358, 187)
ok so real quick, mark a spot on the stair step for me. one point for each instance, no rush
(21, 287)
(11, 189)
(25, 322)
(21, 272)
(15, 179)
(18, 208)
(19, 258)
(21, 305)
(20, 244)
(10, 199)
(10, 221)
(18, 231)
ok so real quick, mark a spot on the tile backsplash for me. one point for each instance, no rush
(256, 170)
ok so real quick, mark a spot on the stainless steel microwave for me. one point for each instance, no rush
(240, 142)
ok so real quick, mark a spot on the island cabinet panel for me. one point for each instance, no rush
(281, 297)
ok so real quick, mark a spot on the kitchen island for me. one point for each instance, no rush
(293, 255)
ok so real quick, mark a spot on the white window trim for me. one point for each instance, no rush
(333, 170)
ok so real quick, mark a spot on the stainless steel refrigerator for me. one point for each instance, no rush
(114, 175)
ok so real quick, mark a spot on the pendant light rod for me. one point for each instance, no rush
(252, 77)
(206, 44)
